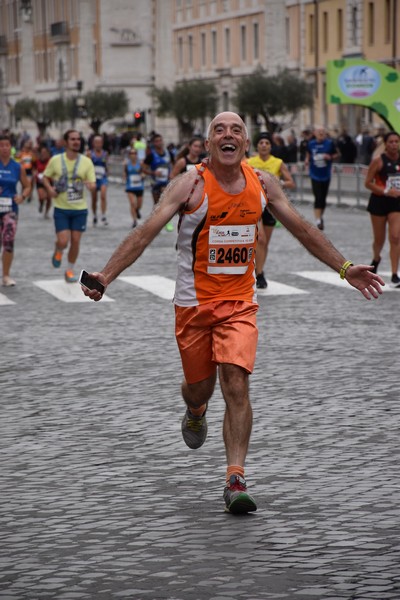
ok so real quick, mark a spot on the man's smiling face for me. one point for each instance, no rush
(228, 140)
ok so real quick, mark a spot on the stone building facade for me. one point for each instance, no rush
(52, 47)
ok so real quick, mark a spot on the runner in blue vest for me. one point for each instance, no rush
(158, 165)
(99, 158)
(321, 151)
(134, 184)
(11, 174)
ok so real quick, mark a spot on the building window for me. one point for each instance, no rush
(190, 44)
(311, 33)
(339, 29)
(387, 17)
(256, 41)
(354, 15)
(243, 42)
(287, 35)
(227, 45)
(371, 23)
(325, 31)
(214, 47)
(203, 50)
(180, 53)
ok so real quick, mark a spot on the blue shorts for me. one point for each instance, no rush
(101, 182)
(73, 220)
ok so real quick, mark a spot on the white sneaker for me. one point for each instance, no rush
(8, 282)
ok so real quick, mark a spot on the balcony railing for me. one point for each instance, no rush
(60, 32)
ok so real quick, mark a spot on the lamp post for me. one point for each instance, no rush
(26, 10)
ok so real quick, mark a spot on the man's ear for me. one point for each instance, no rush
(207, 145)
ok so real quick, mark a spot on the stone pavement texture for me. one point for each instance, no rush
(100, 498)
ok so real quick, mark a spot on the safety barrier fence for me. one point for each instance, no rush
(347, 183)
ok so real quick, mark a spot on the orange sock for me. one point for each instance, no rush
(234, 470)
(198, 412)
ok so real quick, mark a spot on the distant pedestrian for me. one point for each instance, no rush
(158, 164)
(383, 179)
(39, 168)
(365, 146)
(291, 149)
(188, 157)
(11, 174)
(134, 184)
(65, 178)
(99, 158)
(321, 151)
(306, 136)
(347, 147)
(27, 157)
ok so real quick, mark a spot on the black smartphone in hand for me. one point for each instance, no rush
(91, 283)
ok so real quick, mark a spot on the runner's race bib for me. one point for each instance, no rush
(74, 195)
(162, 174)
(135, 181)
(392, 183)
(5, 205)
(230, 248)
(319, 160)
(99, 171)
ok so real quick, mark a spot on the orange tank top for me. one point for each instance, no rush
(217, 242)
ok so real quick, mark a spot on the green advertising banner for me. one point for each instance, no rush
(367, 83)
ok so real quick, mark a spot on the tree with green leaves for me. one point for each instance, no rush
(188, 102)
(42, 113)
(100, 106)
(281, 95)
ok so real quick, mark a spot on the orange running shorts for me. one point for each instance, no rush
(214, 333)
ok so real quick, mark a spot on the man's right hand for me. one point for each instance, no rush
(95, 294)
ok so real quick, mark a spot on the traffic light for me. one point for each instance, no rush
(139, 117)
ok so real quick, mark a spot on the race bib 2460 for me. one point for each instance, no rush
(230, 248)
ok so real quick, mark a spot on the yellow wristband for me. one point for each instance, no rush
(344, 268)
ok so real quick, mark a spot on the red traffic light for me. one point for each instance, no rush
(138, 115)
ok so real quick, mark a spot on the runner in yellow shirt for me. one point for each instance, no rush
(266, 162)
(65, 178)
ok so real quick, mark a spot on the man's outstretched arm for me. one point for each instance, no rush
(359, 276)
(138, 240)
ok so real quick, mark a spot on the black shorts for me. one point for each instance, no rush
(320, 190)
(138, 193)
(381, 206)
(267, 218)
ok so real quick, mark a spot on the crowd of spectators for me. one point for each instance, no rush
(291, 148)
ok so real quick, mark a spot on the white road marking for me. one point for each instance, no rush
(280, 289)
(165, 288)
(156, 284)
(4, 300)
(66, 292)
(324, 277)
(333, 278)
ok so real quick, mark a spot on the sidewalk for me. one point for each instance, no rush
(100, 499)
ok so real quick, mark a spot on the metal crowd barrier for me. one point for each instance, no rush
(346, 187)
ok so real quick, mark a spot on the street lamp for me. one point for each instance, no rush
(26, 10)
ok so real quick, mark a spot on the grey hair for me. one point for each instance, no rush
(211, 122)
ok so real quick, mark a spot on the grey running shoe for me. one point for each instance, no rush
(194, 430)
(237, 500)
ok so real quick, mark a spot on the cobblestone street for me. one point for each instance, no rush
(100, 499)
